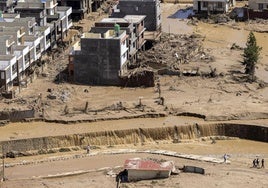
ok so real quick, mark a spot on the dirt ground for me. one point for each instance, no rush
(225, 97)
(237, 174)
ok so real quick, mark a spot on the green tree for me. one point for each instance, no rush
(251, 56)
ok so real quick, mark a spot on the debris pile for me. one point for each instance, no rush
(174, 50)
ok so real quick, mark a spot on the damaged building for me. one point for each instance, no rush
(107, 51)
(101, 58)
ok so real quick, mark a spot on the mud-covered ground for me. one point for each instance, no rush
(226, 95)
(239, 173)
(223, 97)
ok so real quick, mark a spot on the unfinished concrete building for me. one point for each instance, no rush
(101, 58)
(150, 8)
(134, 27)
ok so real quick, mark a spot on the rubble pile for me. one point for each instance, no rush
(173, 50)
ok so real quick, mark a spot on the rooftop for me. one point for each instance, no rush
(6, 57)
(145, 164)
(19, 47)
(135, 18)
(114, 20)
(110, 34)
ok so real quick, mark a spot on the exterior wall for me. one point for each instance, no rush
(135, 175)
(258, 4)
(79, 7)
(124, 52)
(150, 8)
(98, 62)
(213, 5)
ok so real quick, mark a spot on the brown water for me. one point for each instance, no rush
(140, 135)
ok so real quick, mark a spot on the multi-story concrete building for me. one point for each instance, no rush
(81, 7)
(212, 6)
(139, 29)
(150, 8)
(134, 27)
(101, 58)
(258, 4)
(33, 8)
(22, 43)
(47, 13)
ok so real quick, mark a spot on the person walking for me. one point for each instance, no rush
(262, 163)
(254, 163)
(225, 158)
(258, 163)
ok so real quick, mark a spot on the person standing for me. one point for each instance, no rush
(262, 163)
(88, 149)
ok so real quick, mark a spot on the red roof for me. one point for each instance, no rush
(146, 164)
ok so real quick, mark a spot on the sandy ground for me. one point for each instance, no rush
(237, 174)
(216, 98)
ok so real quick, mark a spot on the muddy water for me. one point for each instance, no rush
(43, 129)
(140, 135)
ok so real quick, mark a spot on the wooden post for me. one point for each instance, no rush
(86, 107)
(3, 162)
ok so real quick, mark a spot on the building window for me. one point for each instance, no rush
(134, 45)
(219, 5)
(260, 6)
(14, 69)
(2, 75)
(205, 4)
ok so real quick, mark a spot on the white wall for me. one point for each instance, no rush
(146, 174)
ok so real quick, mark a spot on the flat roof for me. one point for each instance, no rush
(63, 8)
(20, 47)
(135, 18)
(30, 38)
(6, 57)
(146, 164)
(11, 15)
(114, 20)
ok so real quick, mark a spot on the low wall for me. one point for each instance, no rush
(14, 116)
(141, 135)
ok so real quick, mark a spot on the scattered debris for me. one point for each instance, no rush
(193, 169)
